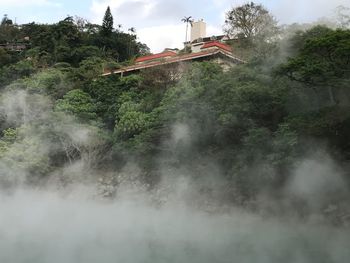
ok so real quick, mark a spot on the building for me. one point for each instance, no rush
(198, 30)
(200, 48)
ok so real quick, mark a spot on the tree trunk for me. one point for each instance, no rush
(331, 95)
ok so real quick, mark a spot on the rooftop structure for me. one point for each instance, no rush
(200, 48)
(212, 51)
(163, 55)
(198, 30)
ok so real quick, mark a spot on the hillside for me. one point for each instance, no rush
(235, 135)
(243, 157)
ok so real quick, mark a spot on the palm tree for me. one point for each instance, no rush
(132, 30)
(132, 37)
(187, 20)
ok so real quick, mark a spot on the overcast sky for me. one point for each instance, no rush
(158, 22)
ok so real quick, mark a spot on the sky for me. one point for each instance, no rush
(158, 22)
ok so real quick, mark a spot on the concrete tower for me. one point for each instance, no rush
(198, 30)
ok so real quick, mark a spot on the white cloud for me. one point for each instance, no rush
(214, 30)
(289, 11)
(169, 36)
(158, 21)
(154, 20)
(26, 3)
(124, 10)
(160, 37)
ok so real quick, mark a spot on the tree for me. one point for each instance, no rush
(89, 69)
(81, 23)
(131, 121)
(9, 33)
(66, 33)
(107, 24)
(5, 58)
(6, 21)
(249, 20)
(53, 82)
(21, 69)
(322, 62)
(78, 103)
(187, 20)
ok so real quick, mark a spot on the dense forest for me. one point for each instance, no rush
(237, 137)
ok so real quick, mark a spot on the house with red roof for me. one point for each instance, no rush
(200, 48)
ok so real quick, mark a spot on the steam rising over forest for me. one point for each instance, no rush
(249, 164)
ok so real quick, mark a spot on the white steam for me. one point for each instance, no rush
(317, 182)
(182, 219)
(46, 227)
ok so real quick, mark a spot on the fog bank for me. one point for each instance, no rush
(38, 227)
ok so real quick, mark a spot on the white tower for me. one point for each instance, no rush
(198, 30)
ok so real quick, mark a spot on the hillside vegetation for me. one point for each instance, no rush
(235, 135)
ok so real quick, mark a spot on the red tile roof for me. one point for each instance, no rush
(156, 56)
(176, 59)
(217, 44)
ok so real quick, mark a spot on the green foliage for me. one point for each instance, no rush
(255, 33)
(89, 69)
(53, 82)
(284, 145)
(6, 21)
(73, 41)
(21, 156)
(107, 24)
(19, 70)
(105, 93)
(79, 104)
(131, 121)
(254, 125)
(9, 135)
(322, 61)
(249, 21)
(5, 57)
(8, 31)
(85, 52)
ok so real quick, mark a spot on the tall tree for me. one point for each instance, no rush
(107, 24)
(6, 21)
(77, 103)
(249, 20)
(187, 20)
(322, 62)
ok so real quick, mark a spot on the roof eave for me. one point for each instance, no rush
(170, 61)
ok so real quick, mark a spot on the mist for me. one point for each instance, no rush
(237, 165)
(78, 213)
(41, 226)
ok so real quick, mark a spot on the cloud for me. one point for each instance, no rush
(122, 8)
(169, 36)
(140, 12)
(160, 37)
(289, 11)
(158, 22)
(17, 3)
